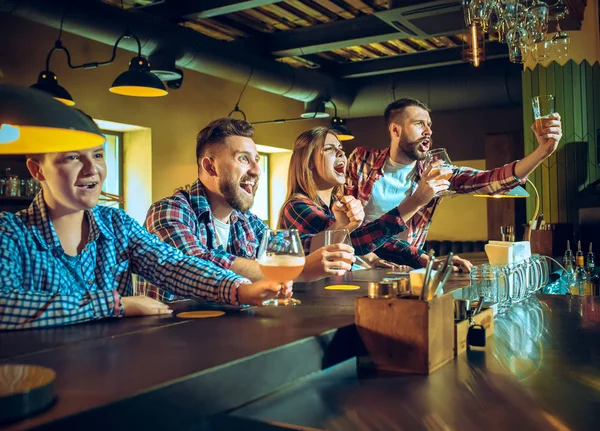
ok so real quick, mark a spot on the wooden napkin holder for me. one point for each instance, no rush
(406, 335)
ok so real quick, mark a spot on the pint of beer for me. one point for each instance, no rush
(543, 108)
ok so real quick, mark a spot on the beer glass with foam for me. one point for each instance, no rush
(281, 259)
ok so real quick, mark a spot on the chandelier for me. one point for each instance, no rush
(522, 25)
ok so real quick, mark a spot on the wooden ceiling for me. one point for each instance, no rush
(347, 38)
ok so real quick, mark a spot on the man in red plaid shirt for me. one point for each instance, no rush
(381, 178)
(212, 220)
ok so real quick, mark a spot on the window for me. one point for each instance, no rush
(114, 165)
(261, 199)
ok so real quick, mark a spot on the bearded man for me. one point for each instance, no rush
(382, 178)
(212, 220)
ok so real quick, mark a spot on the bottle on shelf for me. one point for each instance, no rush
(579, 259)
(583, 282)
(591, 269)
(568, 264)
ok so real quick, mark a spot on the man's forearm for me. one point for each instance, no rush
(527, 164)
(247, 268)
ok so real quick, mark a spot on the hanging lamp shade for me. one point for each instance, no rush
(138, 81)
(48, 82)
(32, 122)
(339, 125)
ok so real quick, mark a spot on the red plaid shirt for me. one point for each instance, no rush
(310, 217)
(184, 221)
(365, 167)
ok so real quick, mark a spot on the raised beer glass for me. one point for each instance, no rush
(543, 108)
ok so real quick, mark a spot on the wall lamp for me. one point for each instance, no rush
(137, 81)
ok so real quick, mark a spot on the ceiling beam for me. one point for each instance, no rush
(194, 9)
(326, 37)
(418, 60)
(440, 17)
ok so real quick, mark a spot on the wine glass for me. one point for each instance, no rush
(281, 259)
(444, 168)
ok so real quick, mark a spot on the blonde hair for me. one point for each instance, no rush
(300, 175)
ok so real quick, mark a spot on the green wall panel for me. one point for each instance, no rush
(573, 166)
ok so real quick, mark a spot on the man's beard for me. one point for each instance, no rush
(410, 148)
(232, 193)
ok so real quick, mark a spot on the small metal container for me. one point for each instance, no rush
(401, 285)
(461, 309)
(383, 289)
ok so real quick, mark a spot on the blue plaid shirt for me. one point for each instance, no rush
(184, 220)
(40, 285)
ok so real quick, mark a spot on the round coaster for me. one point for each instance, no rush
(342, 287)
(24, 390)
(201, 314)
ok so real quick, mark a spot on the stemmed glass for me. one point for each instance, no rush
(444, 167)
(281, 259)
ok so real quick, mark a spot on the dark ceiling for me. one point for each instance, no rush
(345, 38)
(346, 50)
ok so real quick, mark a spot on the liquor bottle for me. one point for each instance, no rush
(591, 268)
(579, 259)
(590, 264)
(582, 279)
(570, 275)
(568, 258)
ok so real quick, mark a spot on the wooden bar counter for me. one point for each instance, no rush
(294, 367)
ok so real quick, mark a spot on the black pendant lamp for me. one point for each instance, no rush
(48, 82)
(138, 81)
(339, 125)
(32, 122)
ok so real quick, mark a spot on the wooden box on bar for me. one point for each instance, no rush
(485, 318)
(406, 335)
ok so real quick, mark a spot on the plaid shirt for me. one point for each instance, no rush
(365, 167)
(184, 220)
(311, 218)
(41, 285)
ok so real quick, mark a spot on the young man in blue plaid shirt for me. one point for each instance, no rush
(66, 260)
(212, 219)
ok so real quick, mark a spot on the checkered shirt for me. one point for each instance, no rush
(41, 285)
(365, 167)
(311, 217)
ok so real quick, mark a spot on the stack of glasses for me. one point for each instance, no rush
(511, 283)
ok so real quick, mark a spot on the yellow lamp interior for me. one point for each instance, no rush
(32, 140)
(65, 101)
(500, 196)
(345, 137)
(135, 91)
